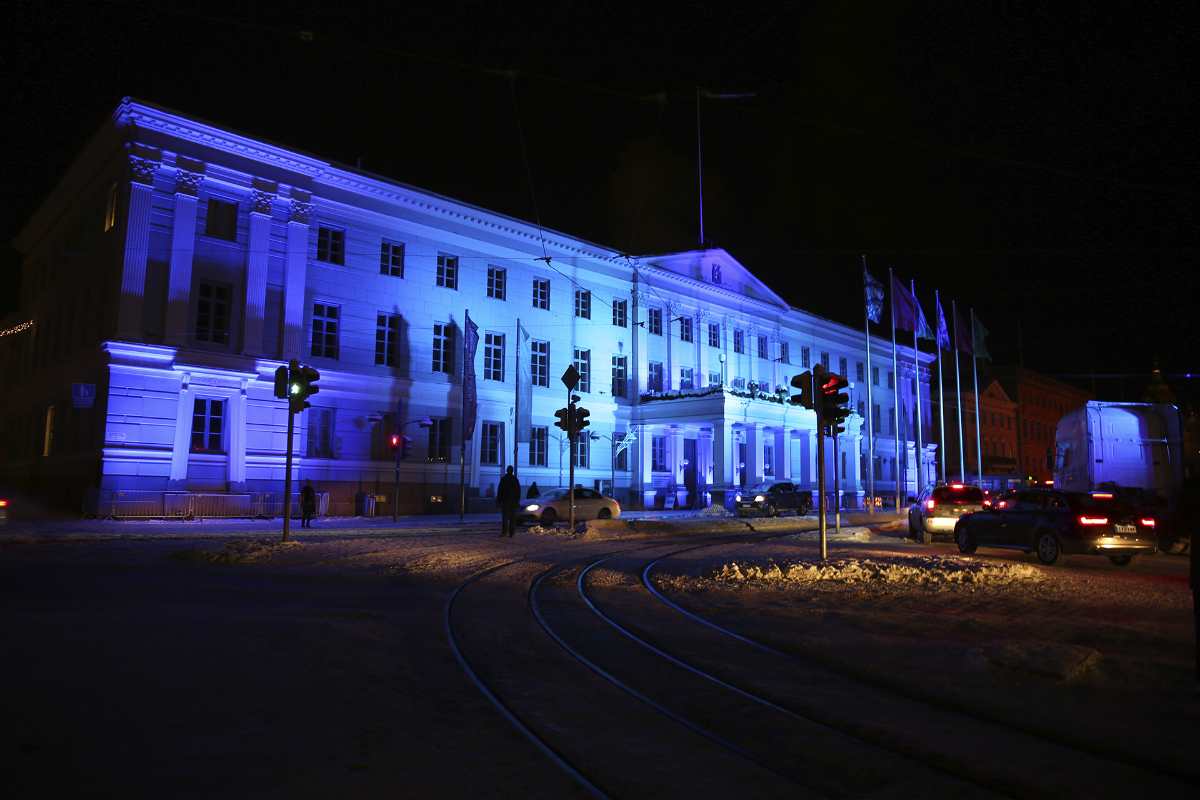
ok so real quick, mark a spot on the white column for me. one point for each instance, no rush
(183, 436)
(754, 452)
(137, 248)
(783, 454)
(295, 266)
(256, 272)
(812, 460)
(644, 463)
(724, 453)
(675, 458)
(702, 348)
(236, 440)
(183, 244)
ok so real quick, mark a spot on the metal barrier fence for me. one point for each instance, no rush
(143, 504)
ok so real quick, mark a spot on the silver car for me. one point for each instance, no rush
(555, 505)
(938, 508)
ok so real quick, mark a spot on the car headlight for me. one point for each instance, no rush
(533, 507)
(737, 498)
(759, 498)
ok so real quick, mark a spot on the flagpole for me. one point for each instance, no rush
(962, 463)
(896, 395)
(919, 481)
(870, 404)
(978, 436)
(941, 395)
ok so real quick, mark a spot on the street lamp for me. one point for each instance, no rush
(721, 358)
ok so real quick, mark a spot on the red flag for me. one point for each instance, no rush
(904, 307)
(962, 336)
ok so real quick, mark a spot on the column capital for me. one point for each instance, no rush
(141, 170)
(188, 183)
(260, 202)
(299, 211)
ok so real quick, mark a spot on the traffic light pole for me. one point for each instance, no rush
(400, 433)
(287, 477)
(822, 500)
(837, 488)
(571, 436)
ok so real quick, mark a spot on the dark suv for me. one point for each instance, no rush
(1055, 524)
(772, 499)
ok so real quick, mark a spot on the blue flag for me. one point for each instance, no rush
(470, 396)
(923, 329)
(873, 291)
(943, 333)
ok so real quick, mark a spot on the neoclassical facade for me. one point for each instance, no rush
(177, 265)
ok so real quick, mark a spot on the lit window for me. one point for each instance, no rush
(208, 423)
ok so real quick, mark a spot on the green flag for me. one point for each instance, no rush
(978, 334)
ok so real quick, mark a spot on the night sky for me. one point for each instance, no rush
(1034, 161)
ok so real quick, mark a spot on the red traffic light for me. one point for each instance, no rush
(395, 442)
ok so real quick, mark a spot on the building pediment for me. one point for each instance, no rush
(719, 268)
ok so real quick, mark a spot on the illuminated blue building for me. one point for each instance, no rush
(177, 264)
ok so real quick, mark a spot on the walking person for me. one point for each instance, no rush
(308, 504)
(508, 498)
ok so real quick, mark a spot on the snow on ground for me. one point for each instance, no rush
(888, 569)
(253, 551)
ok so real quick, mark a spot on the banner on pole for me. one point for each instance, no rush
(943, 335)
(524, 412)
(873, 295)
(962, 337)
(977, 336)
(904, 307)
(470, 396)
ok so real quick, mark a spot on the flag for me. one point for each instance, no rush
(873, 290)
(943, 335)
(904, 307)
(524, 422)
(923, 329)
(470, 396)
(962, 339)
(977, 336)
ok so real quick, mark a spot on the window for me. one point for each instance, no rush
(654, 376)
(443, 348)
(804, 354)
(48, 438)
(686, 381)
(825, 361)
(579, 451)
(539, 366)
(447, 271)
(762, 347)
(325, 331)
(583, 304)
(541, 293)
(381, 438)
(621, 313)
(387, 339)
(878, 468)
(208, 418)
(714, 334)
(891, 420)
(320, 433)
(221, 221)
(391, 259)
(493, 357)
(489, 443)
(842, 367)
(439, 440)
(739, 341)
(618, 376)
(583, 365)
(891, 381)
(858, 371)
(654, 323)
(658, 453)
(685, 329)
(110, 212)
(331, 245)
(537, 446)
(862, 408)
(739, 383)
(875, 376)
(714, 379)
(783, 353)
(495, 283)
(212, 314)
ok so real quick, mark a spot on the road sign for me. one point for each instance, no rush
(571, 378)
(82, 394)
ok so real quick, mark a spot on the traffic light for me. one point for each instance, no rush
(803, 382)
(405, 446)
(281, 383)
(395, 442)
(581, 419)
(302, 384)
(565, 419)
(832, 401)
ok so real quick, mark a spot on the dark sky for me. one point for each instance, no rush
(1033, 161)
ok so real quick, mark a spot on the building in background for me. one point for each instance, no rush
(1041, 403)
(993, 440)
(177, 264)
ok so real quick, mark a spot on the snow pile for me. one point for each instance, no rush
(715, 511)
(553, 530)
(242, 551)
(899, 569)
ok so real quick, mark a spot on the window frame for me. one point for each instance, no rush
(329, 336)
(654, 321)
(620, 376)
(228, 304)
(583, 304)
(443, 348)
(541, 293)
(221, 219)
(387, 339)
(207, 433)
(686, 329)
(497, 282)
(331, 245)
(620, 309)
(658, 454)
(539, 445)
(739, 341)
(539, 362)
(491, 439)
(582, 362)
(388, 257)
(447, 272)
(493, 357)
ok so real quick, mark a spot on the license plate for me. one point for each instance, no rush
(1126, 529)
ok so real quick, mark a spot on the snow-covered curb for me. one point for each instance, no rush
(896, 569)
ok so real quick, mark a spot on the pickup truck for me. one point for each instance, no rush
(772, 498)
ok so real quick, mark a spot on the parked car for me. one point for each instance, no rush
(555, 505)
(1055, 524)
(938, 508)
(772, 499)
(3, 511)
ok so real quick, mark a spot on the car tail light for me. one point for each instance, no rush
(931, 504)
(1102, 494)
(1093, 520)
(3, 503)
(956, 486)
(1149, 523)
(987, 503)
